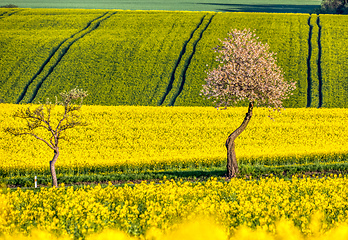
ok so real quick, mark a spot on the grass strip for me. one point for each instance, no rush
(190, 174)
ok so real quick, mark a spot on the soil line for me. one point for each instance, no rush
(92, 25)
(188, 61)
(183, 50)
(7, 14)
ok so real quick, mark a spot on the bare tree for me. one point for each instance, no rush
(41, 117)
(248, 73)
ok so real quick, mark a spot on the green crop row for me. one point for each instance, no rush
(334, 68)
(28, 39)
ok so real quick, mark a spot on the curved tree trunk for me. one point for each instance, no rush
(53, 169)
(232, 165)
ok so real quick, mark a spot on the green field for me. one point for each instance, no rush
(283, 6)
(29, 39)
(153, 58)
(126, 61)
(334, 68)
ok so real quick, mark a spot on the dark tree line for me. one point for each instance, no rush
(9, 6)
(334, 7)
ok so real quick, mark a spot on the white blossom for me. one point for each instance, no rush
(248, 71)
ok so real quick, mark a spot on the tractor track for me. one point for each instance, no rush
(309, 78)
(182, 52)
(8, 14)
(314, 71)
(169, 97)
(55, 57)
(187, 64)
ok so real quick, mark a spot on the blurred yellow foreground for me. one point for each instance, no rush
(206, 229)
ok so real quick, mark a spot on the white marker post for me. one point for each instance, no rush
(35, 182)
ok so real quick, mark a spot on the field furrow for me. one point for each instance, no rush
(188, 62)
(46, 63)
(28, 38)
(127, 60)
(54, 59)
(7, 13)
(309, 76)
(182, 53)
(180, 76)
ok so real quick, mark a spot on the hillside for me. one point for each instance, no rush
(153, 58)
(271, 6)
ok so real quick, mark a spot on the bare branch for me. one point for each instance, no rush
(16, 132)
(69, 104)
(40, 117)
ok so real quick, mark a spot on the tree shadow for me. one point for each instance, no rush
(194, 173)
(266, 8)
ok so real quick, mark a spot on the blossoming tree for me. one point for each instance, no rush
(248, 72)
(55, 124)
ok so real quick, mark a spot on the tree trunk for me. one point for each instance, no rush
(53, 169)
(232, 165)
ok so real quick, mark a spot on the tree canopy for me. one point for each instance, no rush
(248, 72)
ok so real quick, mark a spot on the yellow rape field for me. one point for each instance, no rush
(120, 137)
(240, 209)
